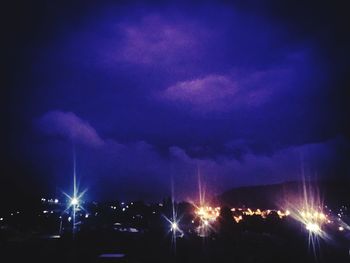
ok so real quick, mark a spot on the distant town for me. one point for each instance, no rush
(72, 220)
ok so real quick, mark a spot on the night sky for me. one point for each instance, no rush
(146, 93)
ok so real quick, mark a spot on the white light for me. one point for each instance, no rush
(74, 201)
(313, 227)
(174, 226)
(45, 211)
(123, 209)
(206, 222)
(69, 219)
(87, 216)
(341, 228)
(1, 219)
(56, 201)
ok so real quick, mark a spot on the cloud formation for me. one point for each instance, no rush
(222, 93)
(135, 168)
(155, 41)
(211, 93)
(229, 87)
(70, 127)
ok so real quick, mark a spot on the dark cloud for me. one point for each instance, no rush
(243, 90)
(70, 127)
(135, 169)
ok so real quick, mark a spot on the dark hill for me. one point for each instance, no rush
(276, 195)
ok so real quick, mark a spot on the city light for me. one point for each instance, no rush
(207, 213)
(74, 201)
(238, 218)
(308, 210)
(313, 227)
(313, 220)
(174, 226)
(258, 212)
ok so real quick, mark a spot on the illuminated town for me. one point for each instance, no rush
(69, 218)
(201, 217)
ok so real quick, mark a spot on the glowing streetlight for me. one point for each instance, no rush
(74, 201)
(174, 226)
(309, 211)
(313, 227)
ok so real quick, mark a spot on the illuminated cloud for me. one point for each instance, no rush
(222, 93)
(211, 93)
(70, 127)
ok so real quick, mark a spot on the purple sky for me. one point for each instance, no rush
(151, 91)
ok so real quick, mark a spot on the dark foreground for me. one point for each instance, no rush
(135, 232)
(235, 246)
